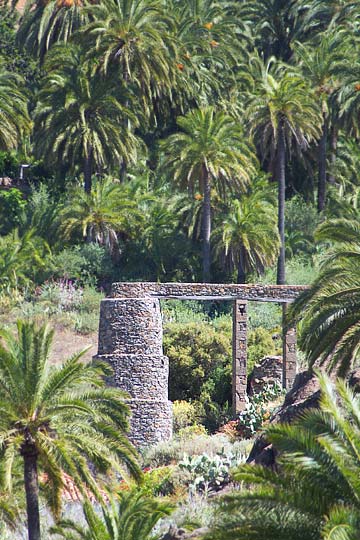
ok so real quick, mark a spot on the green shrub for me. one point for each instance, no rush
(184, 415)
(200, 367)
(301, 220)
(210, 473)
(89, 263)
(260, 344)
(196, 351)
(12, 206)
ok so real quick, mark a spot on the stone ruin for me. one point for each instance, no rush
(130, 339)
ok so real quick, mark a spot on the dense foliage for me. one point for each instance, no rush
(178, 140)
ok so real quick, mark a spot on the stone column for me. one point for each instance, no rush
(130, 339)
(289, 353)
(239, 379)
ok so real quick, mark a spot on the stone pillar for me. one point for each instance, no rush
(130, 339)
(289, 353)
(239, 380)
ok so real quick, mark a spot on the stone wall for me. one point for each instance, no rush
(130, 340)
(268, 371)
(264, 293)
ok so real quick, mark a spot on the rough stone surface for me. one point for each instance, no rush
(151, 421)
(268, 371)
(239, 378)
(142, 376)
(265, 293)
(130, 327)
(130, 339)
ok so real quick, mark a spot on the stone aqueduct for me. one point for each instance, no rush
(130, 339)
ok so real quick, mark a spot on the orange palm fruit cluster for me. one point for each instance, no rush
(209, 25)
(214, 43)
(180, 66)
(357, 87)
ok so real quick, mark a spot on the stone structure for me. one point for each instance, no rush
(130, 339)
(268, 371)
(239, 356)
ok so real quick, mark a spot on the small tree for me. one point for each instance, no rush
(57, 419)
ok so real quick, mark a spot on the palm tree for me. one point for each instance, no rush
(321, 62)
(14, 117)
(79, 116)
(45, 23)
(330, 309)
(23, 258)
(133, 517)
(209, 150)
(282, 112)
(60, 419)
(275, 25)
(101, 214)
(210, 36)
(314, 493)
(248, 235)
(133, 40)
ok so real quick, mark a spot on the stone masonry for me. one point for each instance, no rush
(239, 380)
(130, 339)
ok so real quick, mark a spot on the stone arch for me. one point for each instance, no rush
(130, 339)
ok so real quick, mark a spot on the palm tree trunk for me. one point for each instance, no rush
(322, 166)
(206, 224)
(280, 172)
(31, 482)
(333, 150)
(123, 162)
(241, 274)
(88, 171)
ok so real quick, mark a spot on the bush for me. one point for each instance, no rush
(196, 352)
(200, 367)
(89, 263)
(260, 344)
(257, 411)
(301, 220)
(210, 473)
(12, 206)
(184, 415)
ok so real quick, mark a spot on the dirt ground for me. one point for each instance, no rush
(67, 343)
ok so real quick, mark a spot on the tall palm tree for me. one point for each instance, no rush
(135, 36)
(133, 517)
(276, 25)
(45, 23)
(14, 117)
(133, 39)
(210, 150)
(210, 36)
(79, 116)
(330, 309)
(321, 63)
(248, 235)
(314, 493)
(59, 419)
(282, 112)
(101, 214)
